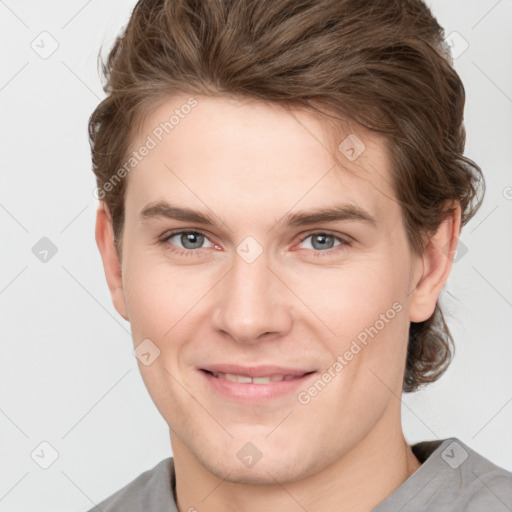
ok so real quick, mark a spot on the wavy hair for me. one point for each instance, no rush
(380, 63)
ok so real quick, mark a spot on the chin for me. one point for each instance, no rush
(272, 466)
(263, 473)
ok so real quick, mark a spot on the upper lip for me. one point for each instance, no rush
(255, 371)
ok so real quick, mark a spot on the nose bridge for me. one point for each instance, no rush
(251, 301)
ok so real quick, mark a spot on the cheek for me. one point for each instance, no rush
(362, 315)
(161, 307)
(154, 296)
(147, 301)
(350, 298)
(163, 300)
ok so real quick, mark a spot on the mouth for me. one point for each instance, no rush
(247, 379)
(255, 385)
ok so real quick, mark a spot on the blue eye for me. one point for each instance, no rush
(323, 243)
(190, 240)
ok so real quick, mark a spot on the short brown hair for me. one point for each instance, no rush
(382, 64)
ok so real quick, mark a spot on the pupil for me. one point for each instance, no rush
(323, 243)
(195, 239)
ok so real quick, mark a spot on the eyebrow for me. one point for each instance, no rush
(296, 219)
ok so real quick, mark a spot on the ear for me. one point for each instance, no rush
(437, 262)
(111, 264)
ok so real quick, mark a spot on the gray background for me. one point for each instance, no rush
(68, 374)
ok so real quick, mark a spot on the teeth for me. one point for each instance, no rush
(256, 380)
(236, 378)
(261, 380)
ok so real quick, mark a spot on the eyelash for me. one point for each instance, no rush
(194, 252)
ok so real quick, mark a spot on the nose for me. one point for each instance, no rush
(251, 302)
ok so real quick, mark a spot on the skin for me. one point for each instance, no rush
(249, 164)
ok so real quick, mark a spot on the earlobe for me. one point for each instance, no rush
(436, 262)
(111, 265)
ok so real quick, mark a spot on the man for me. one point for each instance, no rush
(282, 187)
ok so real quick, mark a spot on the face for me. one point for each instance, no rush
(271, 286)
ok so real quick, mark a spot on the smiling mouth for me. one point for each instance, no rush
(245, 379)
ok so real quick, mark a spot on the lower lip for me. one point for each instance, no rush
(255, 393)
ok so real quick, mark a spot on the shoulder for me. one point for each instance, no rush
(452, 478)
(465, 480)
(151, 490)
(483, 484)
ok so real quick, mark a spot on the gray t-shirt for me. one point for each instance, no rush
(452, 477)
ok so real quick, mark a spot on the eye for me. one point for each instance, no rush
(324, 242)
(190, 242)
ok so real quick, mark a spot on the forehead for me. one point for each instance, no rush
(249, 155)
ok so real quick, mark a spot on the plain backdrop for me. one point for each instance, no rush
(68, 375)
